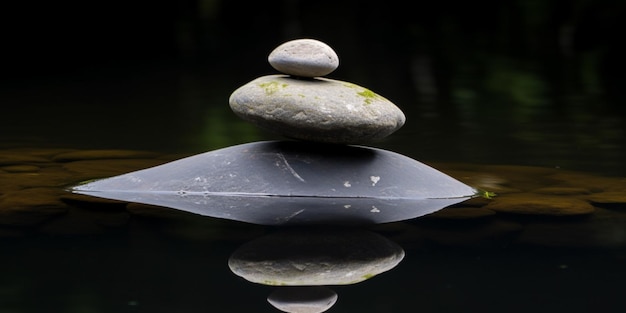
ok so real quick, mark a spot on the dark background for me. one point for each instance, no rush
(60, 38)
(524, 82)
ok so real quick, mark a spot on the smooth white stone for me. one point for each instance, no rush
(304, 58)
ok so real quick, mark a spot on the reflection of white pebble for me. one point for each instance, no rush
(307, 299)
(304, 58)
(374, 179)
(347, 184)
(375, 210)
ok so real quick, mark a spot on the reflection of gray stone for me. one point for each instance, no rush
(317, 109)
(303, 299)
(313, 257)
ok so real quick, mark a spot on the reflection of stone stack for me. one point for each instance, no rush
(302, 105)
(303, 261)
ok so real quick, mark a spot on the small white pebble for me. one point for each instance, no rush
(304, 58)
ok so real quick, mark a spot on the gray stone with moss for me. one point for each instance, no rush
(316, 109)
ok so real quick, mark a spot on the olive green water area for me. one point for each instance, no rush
(590, 208)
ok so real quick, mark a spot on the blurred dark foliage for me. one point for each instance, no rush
(59, 37)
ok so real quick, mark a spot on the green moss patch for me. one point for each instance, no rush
(272, 87)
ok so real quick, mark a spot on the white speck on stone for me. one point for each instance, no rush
(347, 206)
(291, 170)
(200, 179)
(374, 209)
(347, 184)
(374, 180)
(300, 267)
(287, 218)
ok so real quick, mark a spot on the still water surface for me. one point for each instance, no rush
(68, 254)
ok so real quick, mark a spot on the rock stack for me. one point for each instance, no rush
(293, 181)
(300, 104)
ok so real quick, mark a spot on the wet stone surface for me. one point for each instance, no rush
(533, 206)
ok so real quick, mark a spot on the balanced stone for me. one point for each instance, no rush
(318, 109)
(304, 58)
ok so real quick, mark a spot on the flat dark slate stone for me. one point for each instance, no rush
(290, 182)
